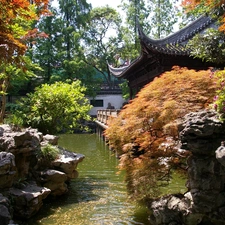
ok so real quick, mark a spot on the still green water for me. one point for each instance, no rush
(98, 196)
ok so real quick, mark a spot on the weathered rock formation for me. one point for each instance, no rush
(27, 200)
(24, 180)
(204, 203)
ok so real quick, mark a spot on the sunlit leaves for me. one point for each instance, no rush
(15, 20)
(219, 99)
(56, 107)
(147, 127)
(102, 39)
(209, 47)
(213, 7)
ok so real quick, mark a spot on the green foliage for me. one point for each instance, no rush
(21, 183)
(11, 118)
(125, 90)
(209, 46)
(165, 15)
(48, 153)
(12, 78)
(156, 17)
(145, 133)
(100, 43)
(55, 108)
(47, 52)
(219, 99)
(61, 55)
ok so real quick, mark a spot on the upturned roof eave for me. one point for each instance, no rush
(181, 36)
(119, 72)
(174, 44)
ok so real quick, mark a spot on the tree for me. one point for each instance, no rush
(15, 20)
(54, 108)
(145, 133)
(45, 51)
(163, 18)
(102, 40)
(15, 29)
(74, 14)
(214, 7)
(156, 17)
(13, 78)
(209, 46)
(59, 54)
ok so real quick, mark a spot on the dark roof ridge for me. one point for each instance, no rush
(182, 35)
(174, 44)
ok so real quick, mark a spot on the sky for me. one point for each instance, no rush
(98, 3)
(111, 3)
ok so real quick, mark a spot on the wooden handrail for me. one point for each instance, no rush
(103, 115)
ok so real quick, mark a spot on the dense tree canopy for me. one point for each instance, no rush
(102, 40)
(59, 53)
(78, 45)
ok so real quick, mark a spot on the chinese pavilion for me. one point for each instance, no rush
(158, 56)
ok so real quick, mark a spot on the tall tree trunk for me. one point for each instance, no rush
(158, 19)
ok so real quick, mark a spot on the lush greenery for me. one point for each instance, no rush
(80, 43)
(145, 134)
(15, 31)
(54, 108)
(219, 99)
(208, 46)
(65, 56)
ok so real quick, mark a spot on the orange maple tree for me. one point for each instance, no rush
(145, 133)
(15, 19)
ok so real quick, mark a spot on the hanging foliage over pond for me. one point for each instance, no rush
(145, 132)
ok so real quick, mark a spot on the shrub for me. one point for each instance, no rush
(54, 108)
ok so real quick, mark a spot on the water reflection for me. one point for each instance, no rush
(98, 196)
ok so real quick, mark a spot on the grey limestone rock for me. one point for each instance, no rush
(201, 133)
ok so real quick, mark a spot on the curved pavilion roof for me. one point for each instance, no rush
(175, 44)
(160, 55)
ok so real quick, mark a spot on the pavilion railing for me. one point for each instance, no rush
(104, 115)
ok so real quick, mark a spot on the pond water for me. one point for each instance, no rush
(98, 196)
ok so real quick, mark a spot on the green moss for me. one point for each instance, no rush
(48, 153)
